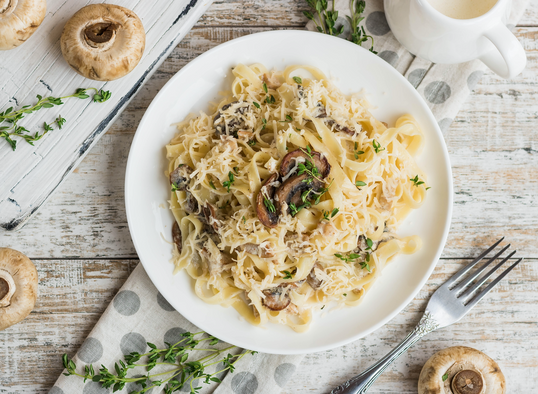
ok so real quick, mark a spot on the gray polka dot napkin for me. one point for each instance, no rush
(444, 87)
(139, 314)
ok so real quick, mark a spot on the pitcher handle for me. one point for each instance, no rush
(509, 59)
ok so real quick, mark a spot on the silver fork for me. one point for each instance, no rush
(453, 300)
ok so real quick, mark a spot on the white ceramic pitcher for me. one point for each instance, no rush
(433, 36)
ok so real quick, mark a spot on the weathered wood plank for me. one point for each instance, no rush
(503, 325)
(492, 144)
(286, 13)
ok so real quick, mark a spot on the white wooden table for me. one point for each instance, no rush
(81, 246)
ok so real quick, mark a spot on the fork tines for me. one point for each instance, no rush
(464, 291)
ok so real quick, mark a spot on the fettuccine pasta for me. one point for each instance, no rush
(287, 197)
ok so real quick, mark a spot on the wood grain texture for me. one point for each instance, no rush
(493, 145)
(29, 175)
(73, 294)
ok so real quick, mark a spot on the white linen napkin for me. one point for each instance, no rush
(139, 314)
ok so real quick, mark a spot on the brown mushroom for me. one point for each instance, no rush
(312, 279)
(461, 370)
(103, 41)
(291, 192)
(290, 161)
(265, 207)
(321, 113)
(18, 287)
(180, 177)
(176, 236)
(233, 126)
(19, 19)
(276, 298)
(210, 218)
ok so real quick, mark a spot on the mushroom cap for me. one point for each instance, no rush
(18, 287)
(450, 361)
(103, 41)
(19, 19)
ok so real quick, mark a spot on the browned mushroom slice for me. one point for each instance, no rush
(339, 127)
(176, 236)
(321, 112)
(234, 125)
(191, 204)
(291, 160)
(276, 298)
(312, 279)
(265, 207)
(180, 177)
(291, 191)
(210, 218)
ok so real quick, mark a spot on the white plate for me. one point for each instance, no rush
(353, 69)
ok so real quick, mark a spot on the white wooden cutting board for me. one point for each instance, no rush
(29, 175)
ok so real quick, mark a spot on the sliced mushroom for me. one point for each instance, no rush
(176, 236)
(103, 41)
(18, 287)
(214, 258)
(291, 192)
(461, 370)
(19, 19)
(267, 212)
(290, 161)
(276, 298)
(232, 127)
(258, 250)
(210, 218)
(321, 113)
(312, 279)
(180, 177)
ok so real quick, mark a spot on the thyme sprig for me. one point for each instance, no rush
(416, 181)
(231, 179)
(11, 117)
(180, 373)
(325, 20)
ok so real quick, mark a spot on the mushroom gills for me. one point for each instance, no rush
(312, 279)
(233, 126)
(276, 298)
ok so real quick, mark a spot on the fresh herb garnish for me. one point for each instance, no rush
(345, 294)
(298, 80)
(212, 184)
(327, 20)
(180, 374)
(60, 121)
(288, 119)
(416, 181)
(225, 205)
(357, 151)
(349, 258)
(358, 35)
(328, 215)
(256, 104)
(296, 209)
(369, 244)
(251, 142)
(174, 187)
(236, 170)
(445, 376)
(269, 204)
(264, 122)
(264, 87)
(229, 182)
(359, 184)
(270, 99)
(12, 117)
(288, 275)
(244, 219)
(377, 146)
(365, 265)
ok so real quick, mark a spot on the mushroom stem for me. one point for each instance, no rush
(7, 288)
(99, 33)
(468, 381)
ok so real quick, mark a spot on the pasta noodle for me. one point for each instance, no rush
(288, 196)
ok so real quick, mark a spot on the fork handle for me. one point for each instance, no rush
(362, 382)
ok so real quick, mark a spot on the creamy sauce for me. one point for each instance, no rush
(462, 9)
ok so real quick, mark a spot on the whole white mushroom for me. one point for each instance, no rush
(461, 370)
(103, 41)
(18, 287)
(19, 19)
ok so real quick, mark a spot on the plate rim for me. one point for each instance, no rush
(447, 167)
